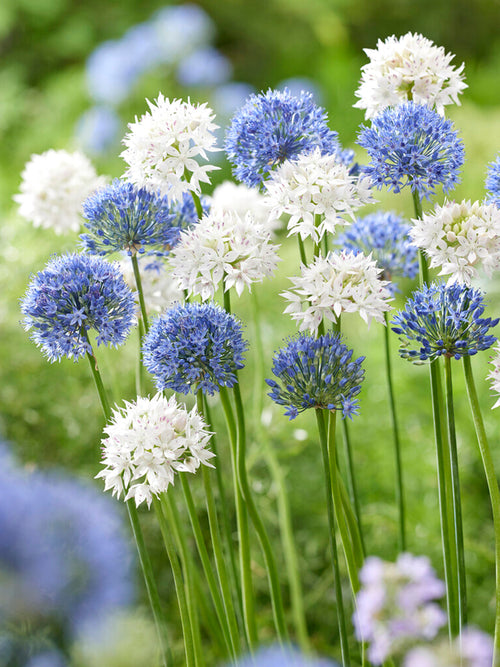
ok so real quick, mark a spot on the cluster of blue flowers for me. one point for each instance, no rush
(440, 320)
(73, 294)
(316, 373)
(194, 346)
(492, 182)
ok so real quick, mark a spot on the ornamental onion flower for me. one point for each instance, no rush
(162, 145)
(407, 68)
(240, 198)
(316, 373)
(494, 375)
(459, 238)
(73, 295)
(340, 282)
(474, 648)
(273, 127)
(443, 320)
(316, 186)
(53, 188)
(223, 248)
(148, 442)
(492, 182)
(412, 145)
(194, 347)
(395, 605)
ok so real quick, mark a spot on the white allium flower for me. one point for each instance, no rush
(410, 67)
(238, 197)
(494, 375)
(459, 238)
(162, 147)
(340, 282)
(54, 185)
(316, 185)
(160, 291)
(147, 443)
(223, 246)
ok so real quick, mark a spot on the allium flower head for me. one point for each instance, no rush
(384, 236)
(53, 188)
(316, 373)
(340, 282)
(194, 346)
(494, 375)
(395, 605)
(407, 68)
(492, 182)
(223, 247)
(459, 238)
(159, 290)
(273, 127)
(316, 185)
(74, 294)
(147, 443)
(162, 147)
(443, 320)
(412, 145)
(474, 648)
(240, 198)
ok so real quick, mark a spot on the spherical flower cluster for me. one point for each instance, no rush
(72, 295)
(460, 237)
(443, 320)
(395, 606)
(273, 127)
(494, 375)
(316, 373)
(412, 145)
(410, 67)
(158, 288)
(162, 145)
(223, 247)
(492, 182)
(282, 656)
(240, 198)
(316, 188)
(53, 188)
(474, 648)
(340, 282)
(147, 443)
(194, 346)
(385, 237)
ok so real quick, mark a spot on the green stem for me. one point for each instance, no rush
(139, 372)
(302, 250)
(140, 292)
(197, 205)
(351, 479)
(351, 523)
(494, 491)
(103, 398)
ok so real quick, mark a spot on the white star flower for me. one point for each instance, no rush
(460, 237)
(148, 442)
(341, 282)
(240, 198)
(162, 147)
(160, 291)
(410, 67)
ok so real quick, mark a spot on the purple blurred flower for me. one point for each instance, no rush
(181, 29)
(204, 67)
(283, 656)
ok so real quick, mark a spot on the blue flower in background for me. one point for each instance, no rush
(184, 213)
(493, 182)
(316, 373)
(440, 320)
(229, 97)
(181, 29)
(412, 145)
(111, 73)
(281, 656)
(297, 84)
(194, 346)
(204, 67)
(273, 127)
(98, 129)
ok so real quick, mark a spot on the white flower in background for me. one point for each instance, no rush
(148, 442)
(223, 247)
(494, 375)
(316, 191)
(238, 197)
(162, 147)
(473, 648)
(340, 282)
(460, 238)
(54, 185)
(407, 68)
(160, 291)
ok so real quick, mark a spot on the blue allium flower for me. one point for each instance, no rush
(316, 373)
(492, 182)
(73, 294)
(273, 127)
(184, 212)
(385, 236)
(194, 346)
(98, 129)
(413, 145)
(283, 656)
(441, 320)
(124, 217)
(204, 67)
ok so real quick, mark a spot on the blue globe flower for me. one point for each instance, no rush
(443, 321)
(273, 127)
(316, 373)
(194, 346)
(492, 182)
(74, 294)
(412, 145)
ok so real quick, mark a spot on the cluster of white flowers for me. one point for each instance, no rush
(240, 198)
(340, 282)
(158, 288)
(494, 375)
(162, 147)
(316, 191)
(460, 237)
(223, 247)
(410, 67)
(53, 188)
(147, 443)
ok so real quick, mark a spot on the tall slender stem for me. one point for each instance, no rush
(302, 250)
(138, 283)
(351, 479)
(197, 204)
